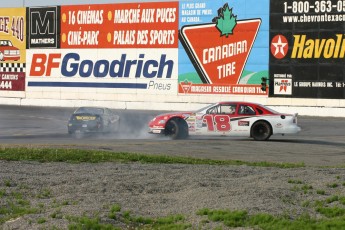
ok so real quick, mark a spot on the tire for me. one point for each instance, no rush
(261, 131)
(176, 129)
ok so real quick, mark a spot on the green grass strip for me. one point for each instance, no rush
(97, 156)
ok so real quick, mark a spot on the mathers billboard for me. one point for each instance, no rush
(307, 49)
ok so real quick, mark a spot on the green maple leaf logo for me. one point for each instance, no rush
(226, 21)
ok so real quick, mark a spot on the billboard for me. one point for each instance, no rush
(43, 27)
(307, 49)
(12, 49)
(223, 47)
(110, 48)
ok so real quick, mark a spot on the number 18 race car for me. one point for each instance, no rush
(226, 119)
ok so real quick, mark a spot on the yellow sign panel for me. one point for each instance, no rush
(85, 118)
(13, 35)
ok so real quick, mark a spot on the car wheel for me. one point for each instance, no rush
(177, 129)
(261, 131)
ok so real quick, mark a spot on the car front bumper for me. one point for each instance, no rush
(156, 130)
(84, 127)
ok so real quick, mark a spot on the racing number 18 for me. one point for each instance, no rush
(219, 123)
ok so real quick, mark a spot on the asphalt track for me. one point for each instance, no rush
(320, 143)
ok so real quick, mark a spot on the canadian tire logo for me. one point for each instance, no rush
(219, 50)
(186, 86)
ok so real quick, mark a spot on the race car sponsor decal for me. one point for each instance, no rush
(243, 123)
(278, 125)
(219, 45)
(12, 49)
(86, 118)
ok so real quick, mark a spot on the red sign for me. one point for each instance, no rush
(220, 59)
(125, 25)
(189, 88)
(12, 81)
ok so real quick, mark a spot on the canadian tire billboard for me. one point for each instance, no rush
(223, 47)
(307, 49)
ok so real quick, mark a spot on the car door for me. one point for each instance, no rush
(217, 119)
(246, 116)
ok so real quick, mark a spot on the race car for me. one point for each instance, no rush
(93, 119)
(8, 52)
(226, 119)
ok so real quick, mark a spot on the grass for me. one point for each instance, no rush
(320, 192)
(15, 198)
(96, 156)
(333, 185)
(14, 205)
(240, 218)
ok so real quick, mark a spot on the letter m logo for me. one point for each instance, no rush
(43, 26)
(43, 23)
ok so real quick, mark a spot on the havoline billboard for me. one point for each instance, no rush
(307, 49)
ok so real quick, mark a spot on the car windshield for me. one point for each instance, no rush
(5, 43)
(89, 110)
(205, 108)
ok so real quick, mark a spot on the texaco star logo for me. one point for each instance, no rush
(279, 46)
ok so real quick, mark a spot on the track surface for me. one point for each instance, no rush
(320, 143)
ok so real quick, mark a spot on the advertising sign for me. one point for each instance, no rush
(126, 25)
(119, 47)
(307, 49)
(12, 49)
(43, 25)
(222, 47)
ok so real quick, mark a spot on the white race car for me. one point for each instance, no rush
(226, 119)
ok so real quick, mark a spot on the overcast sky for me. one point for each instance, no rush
(23, 3)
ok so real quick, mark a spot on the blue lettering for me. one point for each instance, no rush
(162, 65)
(146, 72)
(140, 65)
(117, 73)
(98, 68)
(72, 66)
(86, 68)
(129, 64)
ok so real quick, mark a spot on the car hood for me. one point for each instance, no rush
(9, 48)
(183, 114)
